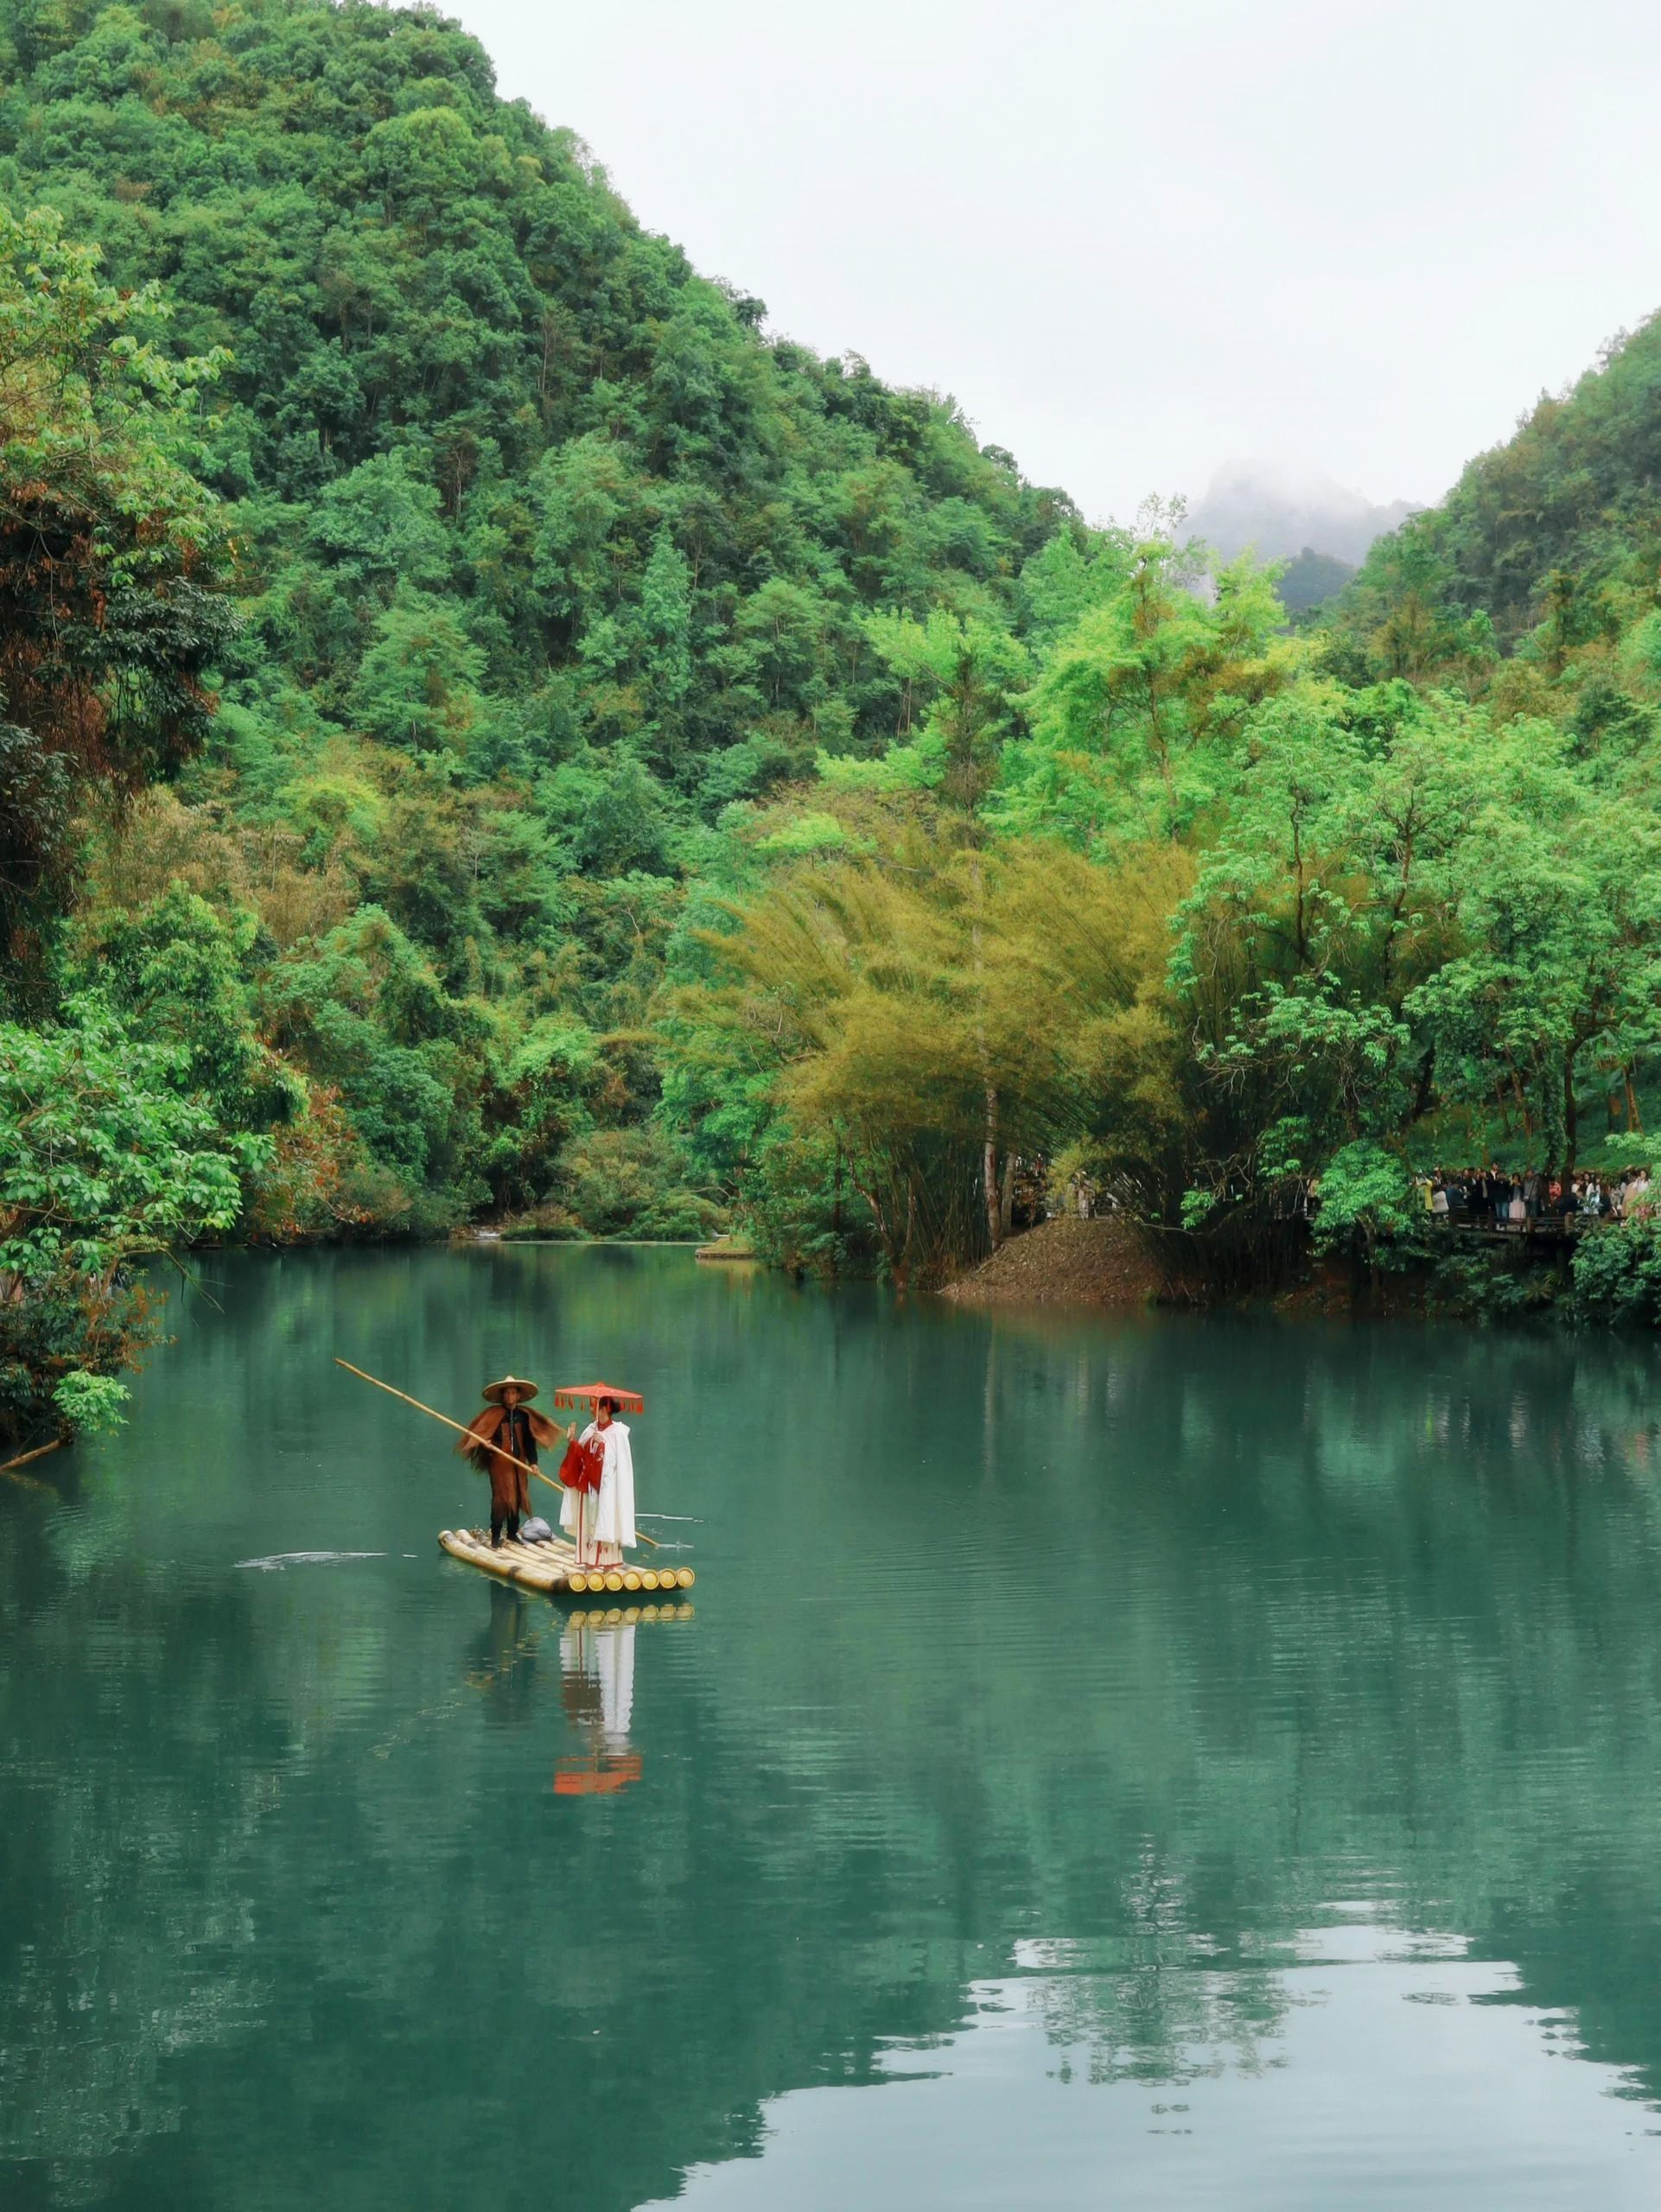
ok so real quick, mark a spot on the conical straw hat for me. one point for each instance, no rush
(493, 1390)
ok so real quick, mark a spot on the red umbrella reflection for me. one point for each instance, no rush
(598, 1776)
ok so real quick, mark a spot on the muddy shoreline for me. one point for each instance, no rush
(1067, 1262)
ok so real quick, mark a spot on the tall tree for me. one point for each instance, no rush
(112, 560)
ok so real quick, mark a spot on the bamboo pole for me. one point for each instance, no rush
(462, 1429)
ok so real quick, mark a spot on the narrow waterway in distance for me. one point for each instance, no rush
(1137, 1763)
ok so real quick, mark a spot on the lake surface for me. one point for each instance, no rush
(1134, 1763)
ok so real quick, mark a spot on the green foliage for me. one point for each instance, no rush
(1486, 1285)
(183, 974)
(366, 1012)
(106, 1156)
(1139, 705)
(417, 683)
(547, 1084)
(380, 526)
(1617, 1275)
(631, 1182)
(957, 675)
(104, 1151)
(1367, 1197)
(1550, 523)
(1311, 579)
(110, 551)
(803, 1206)
(910, 1009)
(87, 1403)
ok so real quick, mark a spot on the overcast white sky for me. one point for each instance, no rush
(1136, 240)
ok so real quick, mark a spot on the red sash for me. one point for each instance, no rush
(583, 1465)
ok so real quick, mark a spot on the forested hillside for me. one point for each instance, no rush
(1557, 519)
(490, 726)
(545, 554)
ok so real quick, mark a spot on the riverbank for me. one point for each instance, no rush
(1113, 1263)
(1067, 1262)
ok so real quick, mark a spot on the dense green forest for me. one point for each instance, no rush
(489, 728)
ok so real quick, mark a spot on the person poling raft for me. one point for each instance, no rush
(597, 1475)
(502, 1441)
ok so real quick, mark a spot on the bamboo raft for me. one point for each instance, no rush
(552, 1568)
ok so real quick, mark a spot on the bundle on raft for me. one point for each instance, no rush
(552, 1566)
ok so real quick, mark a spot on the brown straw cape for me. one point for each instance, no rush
(493, 1390)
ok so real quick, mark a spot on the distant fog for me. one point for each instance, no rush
(1281, 509)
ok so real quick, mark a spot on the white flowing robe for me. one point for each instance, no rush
(609, 1514)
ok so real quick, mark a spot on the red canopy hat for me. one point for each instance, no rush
(589, 1393)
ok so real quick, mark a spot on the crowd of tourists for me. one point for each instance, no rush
(1494, 1198)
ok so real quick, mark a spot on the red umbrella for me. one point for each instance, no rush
(589, 1393)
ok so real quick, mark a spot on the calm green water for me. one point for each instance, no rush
(1150, 1763)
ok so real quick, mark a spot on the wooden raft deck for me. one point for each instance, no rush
(552, 1568)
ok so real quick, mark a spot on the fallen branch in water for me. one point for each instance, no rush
(31, 1482)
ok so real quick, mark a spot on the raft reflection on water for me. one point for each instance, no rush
(596, 1667)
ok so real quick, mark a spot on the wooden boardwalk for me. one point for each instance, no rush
(552, 1568)
(1546, 1233)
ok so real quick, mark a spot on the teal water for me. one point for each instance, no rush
(1134, 1763)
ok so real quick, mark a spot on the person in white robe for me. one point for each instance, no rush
(607, 1520)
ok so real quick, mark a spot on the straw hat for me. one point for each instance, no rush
(493, 1390)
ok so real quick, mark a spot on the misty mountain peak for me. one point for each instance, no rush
(1282, 507)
